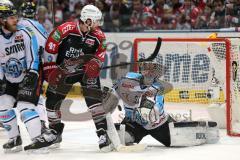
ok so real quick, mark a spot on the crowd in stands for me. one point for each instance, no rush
(139, 15)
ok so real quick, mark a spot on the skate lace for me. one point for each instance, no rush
(12, 140)
(46, 137)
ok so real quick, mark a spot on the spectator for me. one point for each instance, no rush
(233, 13)
(119, 14)
(217, 19)
(42, 17)
(183, 23)
(203, 20)
(104, 8)
(142, 17)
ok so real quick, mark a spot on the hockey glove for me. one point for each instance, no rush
(92, 68)
(47, 69)
(28, 87)
(57, 76)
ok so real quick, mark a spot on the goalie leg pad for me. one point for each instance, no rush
(121, 132)
(212, 133)
(187, 133)
(110, 100)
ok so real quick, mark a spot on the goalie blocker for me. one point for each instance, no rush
(171, 134)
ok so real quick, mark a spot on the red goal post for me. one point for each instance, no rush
(201, 71)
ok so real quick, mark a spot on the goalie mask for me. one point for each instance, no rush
(150, 71)
(91, 16)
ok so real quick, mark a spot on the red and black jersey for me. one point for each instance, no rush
(67, 41)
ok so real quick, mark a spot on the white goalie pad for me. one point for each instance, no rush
(212, 132)
(193, 133)
(118, 140)
(110, 99)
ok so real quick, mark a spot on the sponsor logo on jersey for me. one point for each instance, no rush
(56, 35)
(30, 31)
(70, 62)
(13, 68)
(127, 85)
(18, 38)
(67, 28)
(15, 48)
(74, 53)
(90, 42)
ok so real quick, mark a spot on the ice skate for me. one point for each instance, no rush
(104, 142)
(13, 145)
(59, 129)
(40, 144)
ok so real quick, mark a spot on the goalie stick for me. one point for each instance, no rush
(150, 58)
(76, 64)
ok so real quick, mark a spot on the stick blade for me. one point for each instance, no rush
(132, 148)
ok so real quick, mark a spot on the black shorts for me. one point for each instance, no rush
(56, 94)
(161, 133)
(13, 88)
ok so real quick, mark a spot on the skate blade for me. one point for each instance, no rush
(132, 148)
(43, 150)
(13, 150)
(55, 146)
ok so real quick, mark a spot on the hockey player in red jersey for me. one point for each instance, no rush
(66, 51)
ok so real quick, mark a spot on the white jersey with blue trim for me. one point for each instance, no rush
(37, 28)
(142, 104)
(18, 53)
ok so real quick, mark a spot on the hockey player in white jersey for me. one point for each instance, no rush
(143, 102)
(28, 12)
(20, 80)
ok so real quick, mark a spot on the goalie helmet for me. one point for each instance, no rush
(92, 14)
(28, 9)
(150, 71)
(7, 9)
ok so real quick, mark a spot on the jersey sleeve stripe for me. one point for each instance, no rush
(34, 51)
(39, 28)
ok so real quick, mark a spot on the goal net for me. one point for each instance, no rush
(202, 71)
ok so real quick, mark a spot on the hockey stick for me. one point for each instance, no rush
(115, 139)
(150, 58)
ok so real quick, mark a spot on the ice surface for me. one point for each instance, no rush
(80, 143)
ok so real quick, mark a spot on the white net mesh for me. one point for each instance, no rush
(197, 70)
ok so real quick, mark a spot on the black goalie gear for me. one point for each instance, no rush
(27, 89)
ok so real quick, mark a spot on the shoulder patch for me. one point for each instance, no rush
(56, 35)
(30, 31)
(104, 44)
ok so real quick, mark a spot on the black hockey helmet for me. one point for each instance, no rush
(7, 9)
(28, 9)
